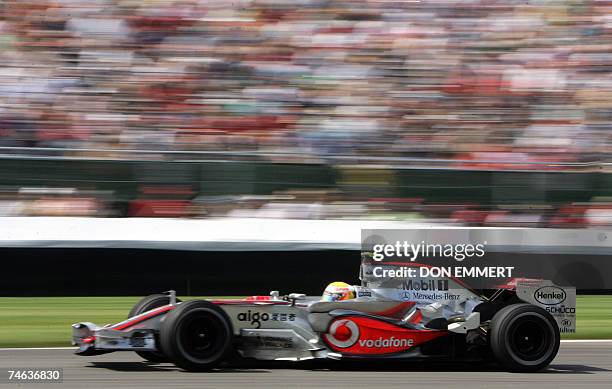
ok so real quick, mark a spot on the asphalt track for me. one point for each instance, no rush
(578, 365)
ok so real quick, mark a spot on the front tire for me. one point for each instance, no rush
(146, 304)
(524, 338)
(197, 336)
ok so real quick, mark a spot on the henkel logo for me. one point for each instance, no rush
(550, 295)
(384, 343)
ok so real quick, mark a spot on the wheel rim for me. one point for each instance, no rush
(530, 338)
(202, 336)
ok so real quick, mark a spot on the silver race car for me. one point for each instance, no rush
(517, 324)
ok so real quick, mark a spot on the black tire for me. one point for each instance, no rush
(524, 338)
(197, 335)
(146, 304)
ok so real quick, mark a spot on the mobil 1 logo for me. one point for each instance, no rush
(425, 285)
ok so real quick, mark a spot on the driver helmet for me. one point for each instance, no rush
(338, 291)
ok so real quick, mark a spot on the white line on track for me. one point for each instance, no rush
(74, 348)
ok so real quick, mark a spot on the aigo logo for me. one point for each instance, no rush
(550, 295)
(254, 317)
(343, 333)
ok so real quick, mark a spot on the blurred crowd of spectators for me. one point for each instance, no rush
(309, 204)
(488, 80)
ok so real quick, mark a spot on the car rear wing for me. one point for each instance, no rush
(559, 301)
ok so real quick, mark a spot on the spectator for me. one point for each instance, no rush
(317, 79)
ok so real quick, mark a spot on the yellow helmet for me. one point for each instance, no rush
(338, 291)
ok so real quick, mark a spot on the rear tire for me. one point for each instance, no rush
(197, 336)
(146, 304)
(524, 338)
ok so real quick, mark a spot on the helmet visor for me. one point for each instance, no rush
(331, 296)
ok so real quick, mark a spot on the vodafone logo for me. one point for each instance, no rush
(361, 335)
(385, 343)
(343, 333)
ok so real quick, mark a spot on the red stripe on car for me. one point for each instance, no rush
(137, 319)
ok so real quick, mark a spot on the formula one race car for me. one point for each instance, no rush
(518, 325)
